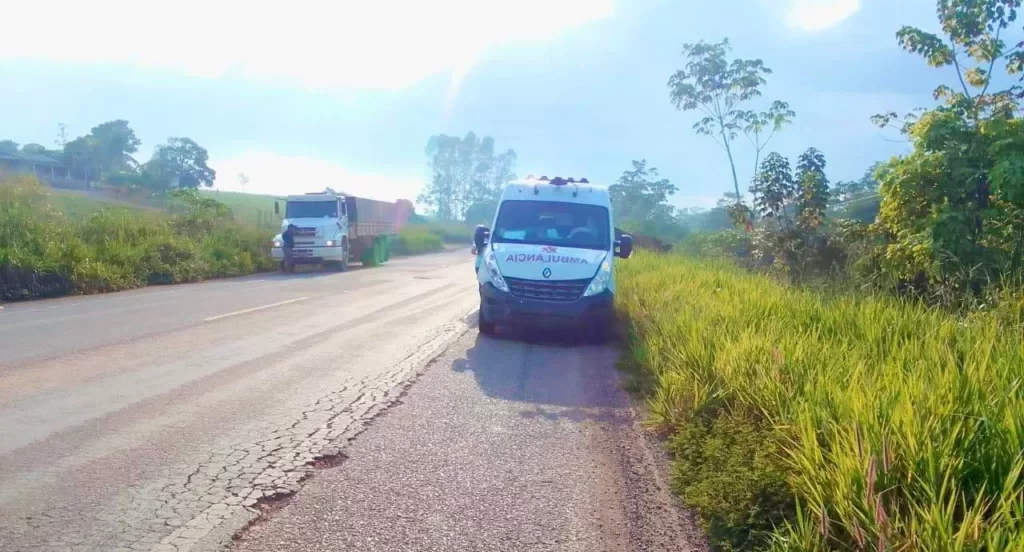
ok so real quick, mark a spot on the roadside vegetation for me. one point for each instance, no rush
(837, 366)
(45, 252)
(416, 240)
(58, 242)
(804, 420)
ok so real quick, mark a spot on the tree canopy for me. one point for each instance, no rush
(718, 88)
(640, 202)
(466, 177)
(180, 163)
(952, 211)
(8, 146)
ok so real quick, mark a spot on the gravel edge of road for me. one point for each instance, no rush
(223, 537)
(656, 458)
(655, 516)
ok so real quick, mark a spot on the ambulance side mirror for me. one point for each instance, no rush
(481, 236)
(624, 246)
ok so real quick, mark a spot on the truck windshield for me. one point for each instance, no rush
(552, 223)
(311, 209)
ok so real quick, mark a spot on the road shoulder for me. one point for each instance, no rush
(500, 445)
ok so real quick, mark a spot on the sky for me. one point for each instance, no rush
(346, 93)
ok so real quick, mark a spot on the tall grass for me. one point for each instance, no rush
(448, 232)
(416, 239)
(43, 252)
(249, 209)
(802, 421)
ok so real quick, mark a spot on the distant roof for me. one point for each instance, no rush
(36, 158)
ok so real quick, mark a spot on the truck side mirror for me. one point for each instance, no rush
(481, 236)
(277, 209)
(624, 246)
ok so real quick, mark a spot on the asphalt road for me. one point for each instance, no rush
(179, 418)
(515, 443)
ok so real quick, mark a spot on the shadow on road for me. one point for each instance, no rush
(555, 376)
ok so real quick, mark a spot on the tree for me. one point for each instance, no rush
(442, 191)
(638, 193)
(717, 87)
(640, 201)
(62, 136)
(466, 178)
(846, 190)
(952, 211)
(106, 149)
(8, 146)
(181, 163)
(84, 154)
(37, 149)
(813, 190)
(116, 142)
(759, 128)
(773, 188)
(841, 191)
(727, 199)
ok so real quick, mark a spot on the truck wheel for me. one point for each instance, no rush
(486, 326)
(367, 258)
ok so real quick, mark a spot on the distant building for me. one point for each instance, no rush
(41, 166)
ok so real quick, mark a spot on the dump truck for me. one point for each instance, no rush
(332, 230)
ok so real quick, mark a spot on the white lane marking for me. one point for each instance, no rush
(254, 309)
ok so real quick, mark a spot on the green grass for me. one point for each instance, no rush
(801, 421)
(248, 209)
(76, 206)
(448, 232)
(415, 240)
(56, 244)
(257, 210)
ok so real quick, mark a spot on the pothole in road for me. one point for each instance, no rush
(329, 461)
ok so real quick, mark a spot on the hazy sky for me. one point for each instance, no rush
(346, 93)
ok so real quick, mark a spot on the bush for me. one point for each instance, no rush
(414, 240)
(43, 253)
(729, 469)
(447, 232)
(725, 243)
(895, 426)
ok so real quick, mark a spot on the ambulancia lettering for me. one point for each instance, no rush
(538, 258)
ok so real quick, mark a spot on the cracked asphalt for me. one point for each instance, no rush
(499, 445)
(162, 419)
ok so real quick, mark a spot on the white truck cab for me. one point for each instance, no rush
(321, 230)
(548, 259)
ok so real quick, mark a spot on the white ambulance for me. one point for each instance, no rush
(548, 260)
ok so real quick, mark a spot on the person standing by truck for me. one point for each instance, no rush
(287, 246)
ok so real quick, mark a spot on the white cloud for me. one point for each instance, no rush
(275, 174)
(818, 15)
(347, 44)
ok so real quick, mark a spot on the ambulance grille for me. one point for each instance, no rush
(565, 291)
